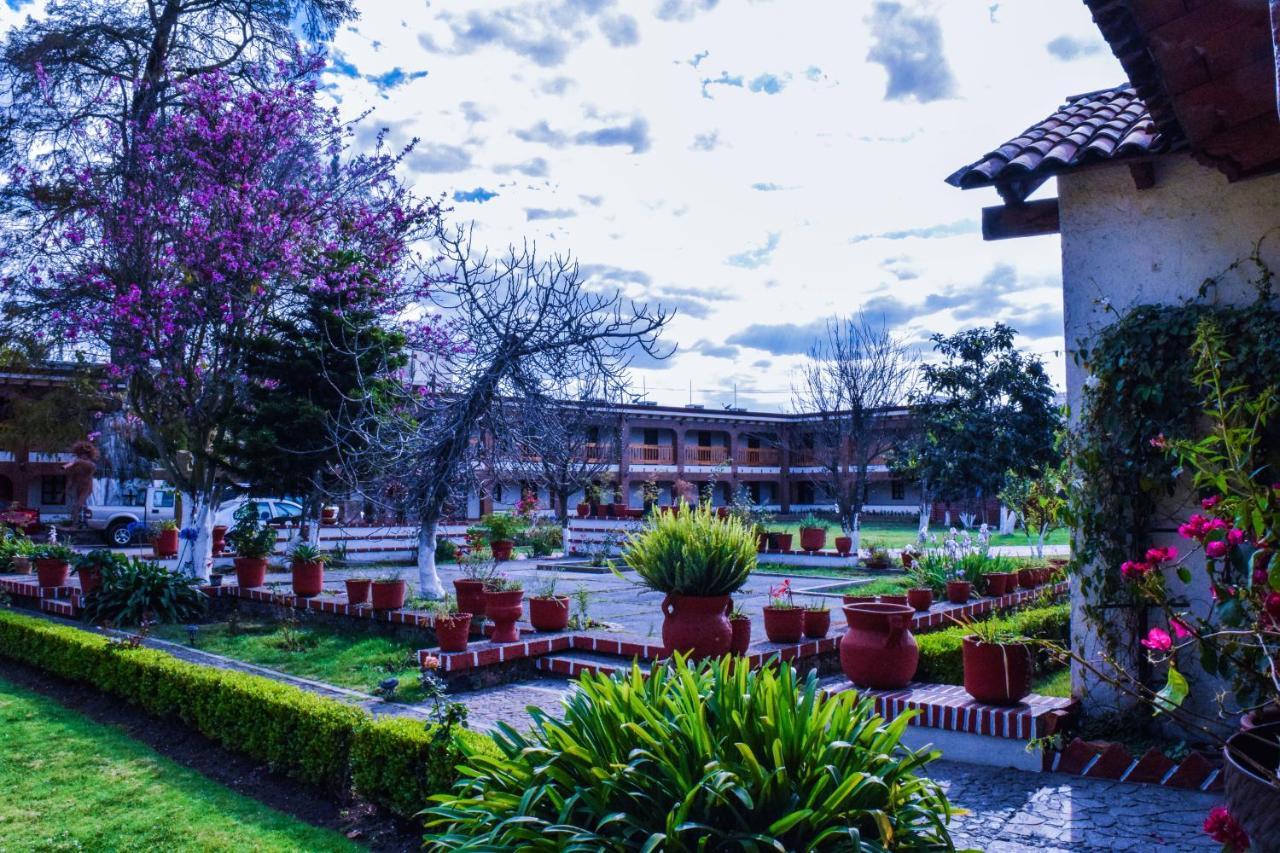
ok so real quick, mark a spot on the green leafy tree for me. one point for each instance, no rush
(983, 410)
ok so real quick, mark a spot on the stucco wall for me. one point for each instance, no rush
(1123, 247)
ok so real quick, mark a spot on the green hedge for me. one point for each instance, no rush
(941, 659)
(393, 762)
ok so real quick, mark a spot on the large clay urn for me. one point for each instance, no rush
(453, 632)
(697, 625)
(219, 539)
(1249, 777)
(813, 538)
(878, 650)
(308, 577)
(504, 607)
(996, 673)
(470, 595)
(251, 572)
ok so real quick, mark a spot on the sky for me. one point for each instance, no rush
(756, 165)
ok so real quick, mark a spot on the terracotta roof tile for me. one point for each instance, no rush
(1106, 125)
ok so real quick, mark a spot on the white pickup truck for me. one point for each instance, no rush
(115, 506)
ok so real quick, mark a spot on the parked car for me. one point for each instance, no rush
(270, 510)
(116, 506)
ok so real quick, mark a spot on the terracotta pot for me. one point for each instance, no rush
(635, 513)
(470, 595)
(1252, 798)
(813, 538)
(219, 540)
(619, 510)
(388, 595)
(784, 624)
(251, 572)
(722, 512)
(844, 544)
(308, 578)
(878, 650)
(20, 565)
(780, 541)
(549, 614)
(52, 572)
(920, 598)
(166, 544)
(857, 599)
(502, 549)
(958, 592)
(877, 563)
(996, 673)
(504, 609)
(1260, 717)
(697, 625)
(453, 632)
(1000, 583)
(358, 590)
(584, 509)
(741, 641)
(762, 542)
(90, 579)
(328, 515)
(606, 511)
(907, 559)
(893, 599)
(1027, 578)
(817, 623)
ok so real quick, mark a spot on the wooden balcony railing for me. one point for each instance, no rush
(651, 454)
(805, 459)
(753, 456)
(696, 455)
(597, 453)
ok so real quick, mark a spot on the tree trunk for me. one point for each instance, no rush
(428, 578)
(855, 533)
(197, 557)
(926, 515)
(1008, 521)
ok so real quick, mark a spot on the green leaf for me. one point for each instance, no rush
(1174, 692)
(1184, 574)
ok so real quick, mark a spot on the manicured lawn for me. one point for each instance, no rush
(833, 572)
(896, 534)
(879, 586)
(354, 659)
(72, 784)
(1056, 683)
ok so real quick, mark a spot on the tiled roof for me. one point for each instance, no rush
(1107, 125)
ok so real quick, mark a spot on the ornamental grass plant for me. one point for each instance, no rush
(713, 756)
(692, 552)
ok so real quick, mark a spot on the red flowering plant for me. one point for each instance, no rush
(780, 596)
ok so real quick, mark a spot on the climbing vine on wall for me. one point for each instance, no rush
(1140, 388)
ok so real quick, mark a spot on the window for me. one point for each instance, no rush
(497, 493)
(898, 490)
(285, 510)
(704, 438)
(753, 489)
(753, 441)
(53, 490)
(650, 436)
(162, 499)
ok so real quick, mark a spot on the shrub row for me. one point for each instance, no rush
(941, 659)
(396, 763)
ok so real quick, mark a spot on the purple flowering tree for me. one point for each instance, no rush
(238, 203)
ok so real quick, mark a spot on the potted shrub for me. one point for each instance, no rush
(1000, 583)
(908, 556)
(813, 533)
(583, 509)
(89, 568)
(452, 626)
(878, 650)
(893, 598)
(926, 575)
(164, 541)
(388, 592)
(307, 565)
(477, 572)
(19, 550)
(328, 514)
(998, 664)
(53, 564)
(503, 604)
(1028, 578)
(877, 557)
(857, 599)
(817, 620)
(358, 590)
(501, 530)
(920, 598)
(844, 545)
(740, 623)
(762, 538)
(697, 561)
(959, 591)
(253, 542)
(547, 610)
(779, 541)
(783, 618)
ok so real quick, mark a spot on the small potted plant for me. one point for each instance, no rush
(20, 551)
(477, 571)
(877, 557)
(253, 542)
(998, 664)
(959, 591)
(908, 555)
(358, 590)
(926, 576)
(591, 495)
(53, 564)
(813, 533)
(892, 598)
(650, 493)
(452, 626)
(501, 530)
(817, 620)
(783, 618)
(388, 592)
(779, 541)
(503, 604)
(844, 545)
(1028, 578)
(547, 610)
(307, 564)
(164, 543)
(89, 568)
(740, 623)
(857, 599)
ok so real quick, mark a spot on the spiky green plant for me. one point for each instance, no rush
(692, 552)
(712, 757)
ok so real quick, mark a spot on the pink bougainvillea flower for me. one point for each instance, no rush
(1210, 502)
(1217, 549)
(1235, 536)
(1180, 629)
(1162, 555)
(1158, 640)
(1159, 441)
(1134, 570)
(1272, 603)
(1226, 830)
(1259, 577)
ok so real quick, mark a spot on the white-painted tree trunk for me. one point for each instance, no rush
(566, 539)
(967, 519)
(197, 557)
(926, 513)
(856, 534)
(1008, 521)
(428, 578)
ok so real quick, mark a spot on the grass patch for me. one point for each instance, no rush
(894, 535)
(879, 586)
(1056, 683)
(354, 659)
(833, 572)
(73, 784)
